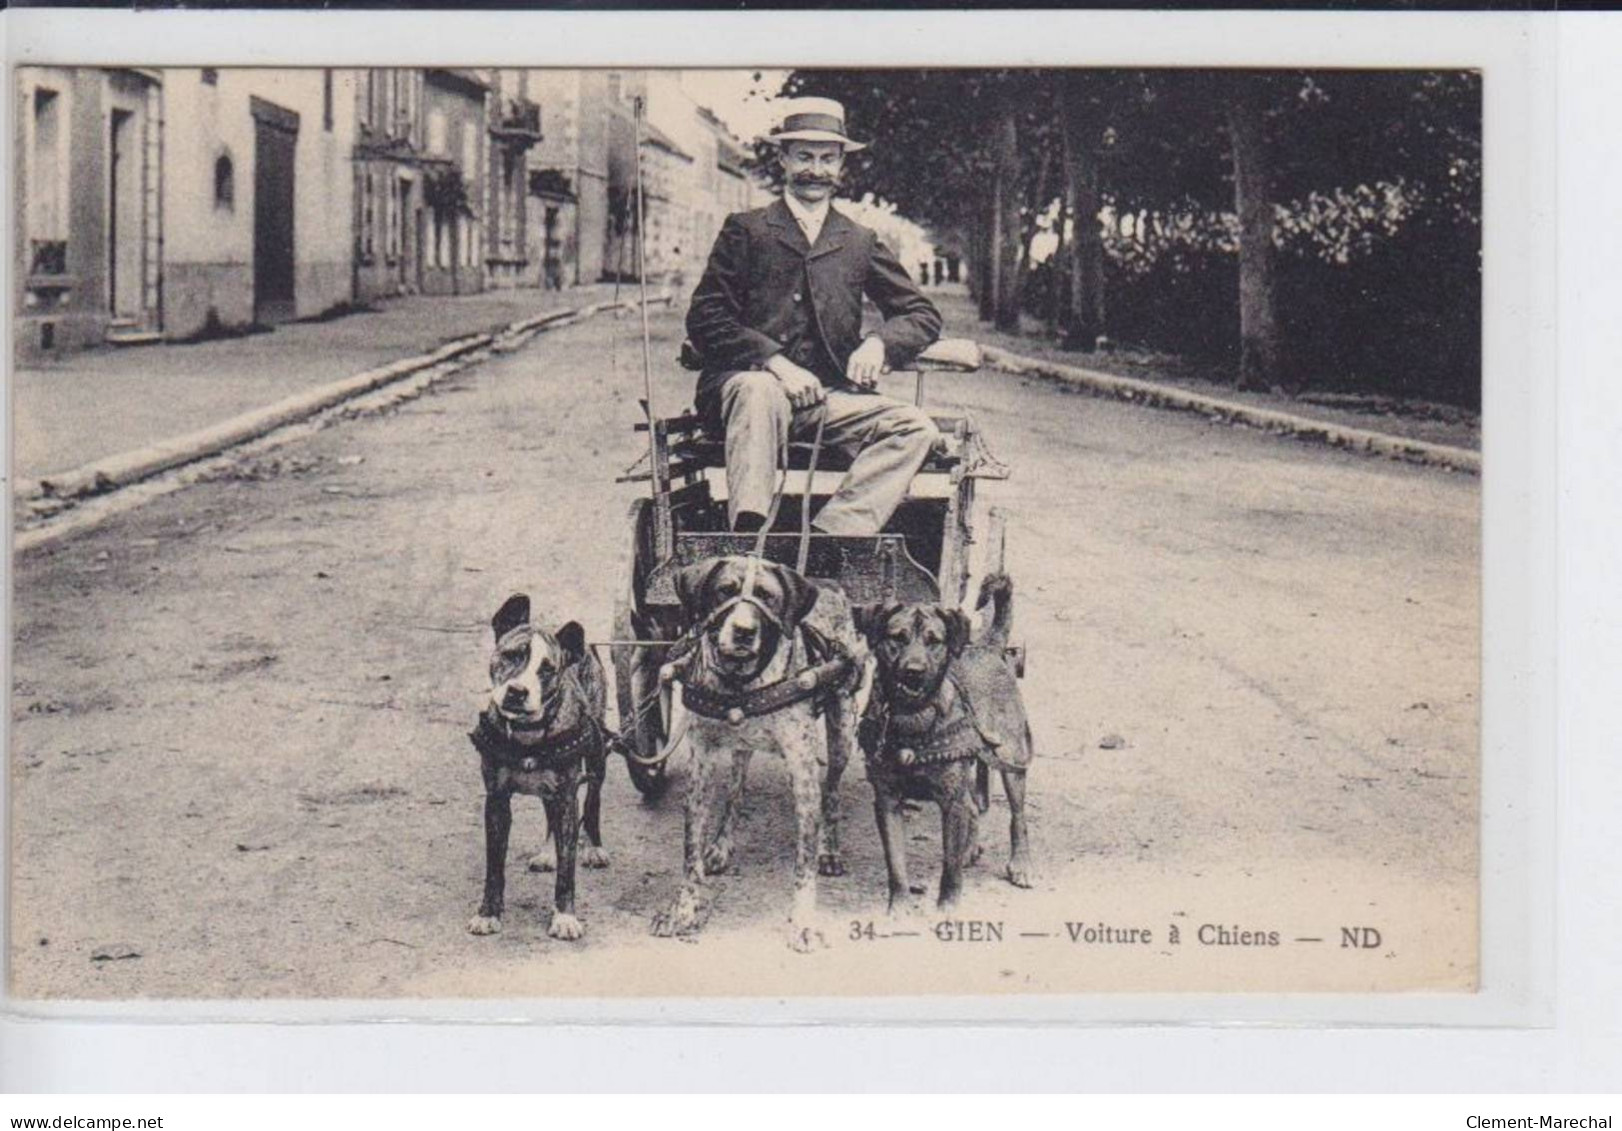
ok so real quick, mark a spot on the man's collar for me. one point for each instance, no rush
(808, 213)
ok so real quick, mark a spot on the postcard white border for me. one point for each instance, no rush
(1516, 51)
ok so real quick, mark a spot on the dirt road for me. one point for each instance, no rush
(240, 716)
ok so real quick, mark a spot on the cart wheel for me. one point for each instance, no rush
(636, 670)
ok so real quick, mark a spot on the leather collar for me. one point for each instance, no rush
(532, 748)
(927, 736)
(831, 666)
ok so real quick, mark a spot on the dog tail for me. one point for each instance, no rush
(997, 590)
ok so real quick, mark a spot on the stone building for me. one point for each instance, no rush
(514, 122)
(390, 139)
(167, 204)
(420, 173)
(672, 136)
(568, 214)
(87, 182)
(257, 195)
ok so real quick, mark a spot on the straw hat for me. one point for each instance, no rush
(814, 119)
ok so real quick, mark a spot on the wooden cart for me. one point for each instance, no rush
(921, 555)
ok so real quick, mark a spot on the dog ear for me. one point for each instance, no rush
(958, 630)
(691, 583)
(799, 594)
(871, 619)
(513, 612)
(572, 639)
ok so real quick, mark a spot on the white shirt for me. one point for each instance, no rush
(810, 217)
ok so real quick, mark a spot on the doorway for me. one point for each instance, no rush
(123, 217)
(275, 143)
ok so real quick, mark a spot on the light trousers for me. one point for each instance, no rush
(887, 439)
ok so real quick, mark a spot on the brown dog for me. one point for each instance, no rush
(771, 664)
(944, 711)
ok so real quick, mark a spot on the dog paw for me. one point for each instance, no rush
(680, 918)
(830, 864)
(718, 856)
(1019, 873)
(566, 927)
(543, 862)
(484, 925)
(593, 856)
(803, 939)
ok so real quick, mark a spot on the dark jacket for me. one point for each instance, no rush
(766, 292)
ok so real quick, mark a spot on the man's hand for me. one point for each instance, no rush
(866, 363)
(803, 387)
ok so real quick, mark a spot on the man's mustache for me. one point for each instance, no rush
(815, 179)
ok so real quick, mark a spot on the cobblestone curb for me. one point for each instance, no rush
(1267, 420)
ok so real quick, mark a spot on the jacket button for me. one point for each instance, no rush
(798, 296)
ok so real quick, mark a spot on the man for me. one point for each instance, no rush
(777, 319)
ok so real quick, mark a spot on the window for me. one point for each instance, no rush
(368, 216)
(326, 99)
(224, 183)
(47, 227)
(396, 207)
(436, 134)
(211, 76)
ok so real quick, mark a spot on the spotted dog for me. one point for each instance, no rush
(944, 711)
(769, 664)
(543, 734)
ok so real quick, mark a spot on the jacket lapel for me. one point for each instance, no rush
(832, 236)
(786, 228)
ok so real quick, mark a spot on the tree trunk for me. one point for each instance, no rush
(980, 269)
(1005, 229)
(1081, 130)
(1259, 340)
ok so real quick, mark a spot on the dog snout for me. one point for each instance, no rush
(741, 630)
(515, 698)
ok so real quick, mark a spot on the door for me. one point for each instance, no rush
(274, 146)
(123, 217)
(551, 252)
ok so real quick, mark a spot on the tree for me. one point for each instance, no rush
(1004, 249)
(1260, 364)
(1080, 115)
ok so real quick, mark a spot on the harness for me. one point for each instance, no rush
(830, 670)
(907, 739)
(536, 746)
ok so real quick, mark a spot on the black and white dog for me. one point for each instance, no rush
(543, 733)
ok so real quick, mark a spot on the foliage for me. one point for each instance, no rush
(1374, 177)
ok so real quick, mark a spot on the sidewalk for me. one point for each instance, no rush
(99, 403)
(1430, 424)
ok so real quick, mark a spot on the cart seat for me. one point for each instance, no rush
(703, 449)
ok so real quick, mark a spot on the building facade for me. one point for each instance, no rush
(420, 174)
(455, 183)
(88, 223)
(515, 129)
(390, 137)
(568, 213)
(257, 196)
